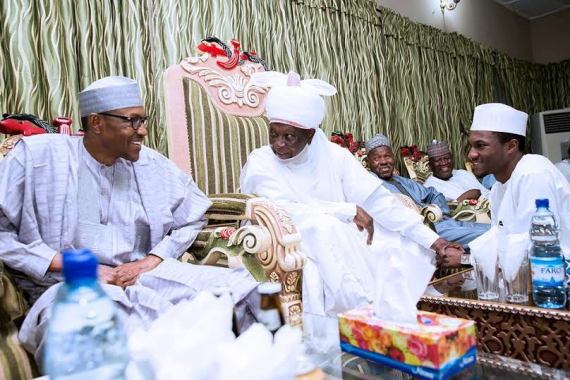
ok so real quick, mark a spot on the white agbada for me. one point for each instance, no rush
(459, 182)
(320, 189)
(54, 195)
(513, 202)
(564, 167)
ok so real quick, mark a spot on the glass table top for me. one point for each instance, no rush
(323, 348)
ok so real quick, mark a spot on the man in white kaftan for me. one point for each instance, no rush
(105, 191)
(330, 197)
(497, 140)
(454, 184)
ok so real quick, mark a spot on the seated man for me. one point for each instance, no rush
(381, 162)
(497, 140)
(105, 191)
(330, 197)
(455, 184)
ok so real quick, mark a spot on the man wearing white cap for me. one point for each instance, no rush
(455, 184)
(105, 191)
(330, 197)
(497, 140)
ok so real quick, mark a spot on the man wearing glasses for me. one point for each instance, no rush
(107, 192)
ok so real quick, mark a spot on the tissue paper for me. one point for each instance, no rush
(434, 348)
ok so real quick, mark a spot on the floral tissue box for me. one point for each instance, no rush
(438, 347)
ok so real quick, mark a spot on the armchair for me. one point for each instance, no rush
(214, 120)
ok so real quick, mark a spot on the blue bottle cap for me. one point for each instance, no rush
(541, 203)
(80, 264)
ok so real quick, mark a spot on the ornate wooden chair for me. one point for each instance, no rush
(214, 120)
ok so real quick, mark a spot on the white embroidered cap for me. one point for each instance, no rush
(498, 117)
(294, 101)
(109, 93)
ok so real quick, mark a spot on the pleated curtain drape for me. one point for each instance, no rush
(410, 81)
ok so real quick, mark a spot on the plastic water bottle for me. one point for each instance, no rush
(546, 261)
(84, 337)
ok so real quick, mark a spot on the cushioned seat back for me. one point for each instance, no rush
(219, 142)
(214, 118)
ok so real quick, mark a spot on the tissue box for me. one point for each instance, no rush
(438, 347)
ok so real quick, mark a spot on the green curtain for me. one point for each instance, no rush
(410, 81)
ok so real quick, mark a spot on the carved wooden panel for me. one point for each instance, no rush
(521, 332)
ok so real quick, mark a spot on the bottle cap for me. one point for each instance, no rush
(269, 288)
(541, 203)
(79, 264)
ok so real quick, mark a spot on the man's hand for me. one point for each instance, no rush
(106, 274)
(127, 274)
(469, 194)
(56, 263)
(448, 254)
(364, 222)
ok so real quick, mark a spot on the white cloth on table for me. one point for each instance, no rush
(459, 182)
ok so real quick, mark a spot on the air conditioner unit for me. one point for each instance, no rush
(551, 134)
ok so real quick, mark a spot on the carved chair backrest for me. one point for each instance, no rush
(418, 170)
(214, 114)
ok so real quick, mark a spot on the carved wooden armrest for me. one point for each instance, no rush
(8, 143)
(431, 213)
(267, 245)
(419, 171)
(464, 211)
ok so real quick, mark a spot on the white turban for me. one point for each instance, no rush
(498, 117)
(109, 93)
(293, 101)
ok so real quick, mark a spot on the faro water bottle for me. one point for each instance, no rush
(84, 337)
(546, 261)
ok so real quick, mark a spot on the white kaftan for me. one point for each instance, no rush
(459, 182)
(54, 195)
(320, 188)
(513, 202)
(564, 167)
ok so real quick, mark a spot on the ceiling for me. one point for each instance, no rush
(533, 9)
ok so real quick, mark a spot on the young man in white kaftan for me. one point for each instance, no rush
(347, 220)
(105, 191)
(455, 184)
(497, 140)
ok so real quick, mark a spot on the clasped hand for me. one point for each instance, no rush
(448, 254)
(126, 274)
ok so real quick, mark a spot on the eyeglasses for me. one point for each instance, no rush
(136, 121)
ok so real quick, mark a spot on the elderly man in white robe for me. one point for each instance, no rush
(347, 220)
(455, 184)
(497, 140)
(105, 191)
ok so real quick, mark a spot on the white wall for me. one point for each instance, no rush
(550, 36)
(481, 20)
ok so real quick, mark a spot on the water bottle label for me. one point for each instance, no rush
(547, 271)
